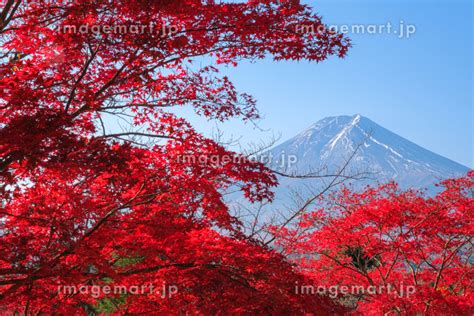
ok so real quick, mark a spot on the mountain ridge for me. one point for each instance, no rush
(328, 143)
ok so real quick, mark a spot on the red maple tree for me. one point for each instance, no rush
(387, 251)
(81, 206)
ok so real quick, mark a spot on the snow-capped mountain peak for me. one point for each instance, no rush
(331, 141)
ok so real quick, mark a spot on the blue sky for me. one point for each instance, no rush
(418, 87)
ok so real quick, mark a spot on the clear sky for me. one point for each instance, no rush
(419, 87)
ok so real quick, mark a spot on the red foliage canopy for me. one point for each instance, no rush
(392, 251)
(83, 207)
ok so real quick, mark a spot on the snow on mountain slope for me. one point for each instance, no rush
(380, 152)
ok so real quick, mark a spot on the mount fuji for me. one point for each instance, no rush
(370, 148)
